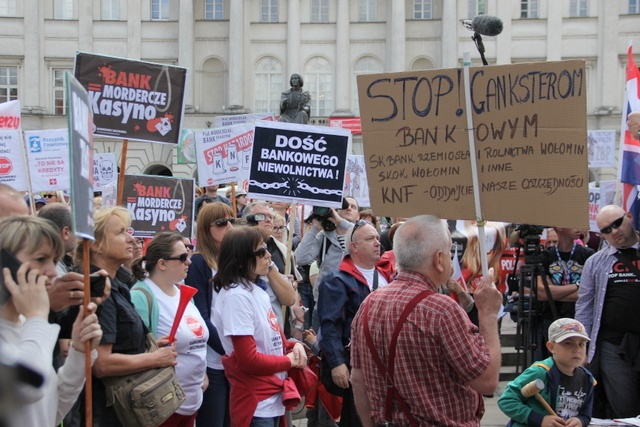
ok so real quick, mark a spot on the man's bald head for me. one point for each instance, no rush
(11, 202)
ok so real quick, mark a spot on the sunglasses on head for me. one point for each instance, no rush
(359, 223)
(190, 247)
(613, 226)
(259, 217)
(223, 222)
(262, 252)
(182, 258)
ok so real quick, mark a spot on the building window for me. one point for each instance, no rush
(8, 84)
(634, 6)
(422, 9)
(529, 9)
(368, 10)
(8, 8)
(477, 7)
(62, 9)
(110, 10)
(213, 10)
(319, 10)
(579, 8)
(268, 86)
(364, 65)
(268, 10)
(59, 98)
(318, 80)
(159, 10)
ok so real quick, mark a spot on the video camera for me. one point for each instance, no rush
(323, 214)
(530, 235)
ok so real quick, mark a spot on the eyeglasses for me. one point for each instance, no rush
(49, 196)
(359, 223)
(278, 228)
(182, 258)
(222, 222)
(613, 226)
(262, 252)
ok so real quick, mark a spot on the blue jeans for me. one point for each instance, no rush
(621, 384)
(265, 422)
(306, 297)
(214, 411)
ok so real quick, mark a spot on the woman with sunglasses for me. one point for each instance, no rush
(213, 222)
(122, 350)
(250, 332)
(156, 297)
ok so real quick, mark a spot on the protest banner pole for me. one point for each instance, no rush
(88, 398)
(233, 200)
(123, 165)
(480, 221)
(25, 159)
(290, 229)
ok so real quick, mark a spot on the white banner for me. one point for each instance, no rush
(355, 180)
(602, 148)
(240, 119)
(48, 157)
(13, 170)
(223, 154)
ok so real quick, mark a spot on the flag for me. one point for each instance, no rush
(630, 154)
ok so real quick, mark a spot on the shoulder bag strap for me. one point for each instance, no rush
(392, 391)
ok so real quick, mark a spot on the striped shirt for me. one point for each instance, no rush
(439, 351)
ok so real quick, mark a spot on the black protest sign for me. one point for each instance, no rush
(530, 132)
(133, 99)
(159, 204)
(298, 162)
(80, 158)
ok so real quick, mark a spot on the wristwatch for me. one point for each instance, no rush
(271, 266)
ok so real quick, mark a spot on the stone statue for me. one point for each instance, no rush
(294, 104)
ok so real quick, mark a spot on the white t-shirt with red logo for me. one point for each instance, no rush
(191, 345)
(241, 312)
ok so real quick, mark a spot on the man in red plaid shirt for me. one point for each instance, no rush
(443, 363)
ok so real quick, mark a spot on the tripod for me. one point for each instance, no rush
(529, 307)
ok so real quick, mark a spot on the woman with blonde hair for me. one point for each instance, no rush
(122, 350)
(213, 222)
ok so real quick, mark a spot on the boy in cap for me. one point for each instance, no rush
(568, 386)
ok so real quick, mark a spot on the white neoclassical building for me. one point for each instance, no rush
(240, 53)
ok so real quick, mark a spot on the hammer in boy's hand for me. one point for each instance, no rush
(533, 389)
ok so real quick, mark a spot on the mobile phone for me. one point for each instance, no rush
(98, 283)
(9, 260)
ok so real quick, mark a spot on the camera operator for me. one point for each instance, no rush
(562, 265)
(324, 242)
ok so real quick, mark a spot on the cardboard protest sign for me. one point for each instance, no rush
(159, 204)
(602, 148)
(530, 131)
(133, 99)
(80, 157)
(223, 154)
(298, 162)
(13, 169)
(355, 180)
(239, 119)
(48, 159)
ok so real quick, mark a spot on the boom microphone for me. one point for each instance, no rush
(484, 25)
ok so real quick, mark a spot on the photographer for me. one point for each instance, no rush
(324, 242)
(562, 265)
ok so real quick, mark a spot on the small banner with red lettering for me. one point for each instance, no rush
(159, 203)
(223, 154)
(48, 156)
(133, 99)
(13, 169)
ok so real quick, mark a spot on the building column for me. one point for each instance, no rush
(608, 93)
(33, 68)
(449, 54)
(236, 55)
(85, 26)
(293, 40)
(396, 42)
(343, 57)
(554, 30)
(134, 30)
(503, 40)
(186, 42)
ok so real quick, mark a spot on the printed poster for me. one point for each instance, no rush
(13, 169)
(355, 180)
(48, 158)
(131, 99)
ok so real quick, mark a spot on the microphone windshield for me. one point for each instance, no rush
(486, 25)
